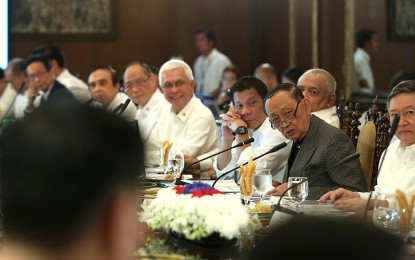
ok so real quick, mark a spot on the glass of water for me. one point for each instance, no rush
(299, 192)
(262, 181)
(386, 211)
(175, 163)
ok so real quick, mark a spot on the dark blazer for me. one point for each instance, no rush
(59, 93)
(323, 146)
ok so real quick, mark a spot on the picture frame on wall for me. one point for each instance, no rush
(401, 20)
(63, 20)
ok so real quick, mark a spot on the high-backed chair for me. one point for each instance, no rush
(366, 145)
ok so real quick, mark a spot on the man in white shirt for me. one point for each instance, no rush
(7, 94)
(104, 86)
(62, 74)
(143, 90)
(367, 44)
(16, 74)
(187, 123)
(397, 171)
(249, 119)
(209, 66)
(319, 86)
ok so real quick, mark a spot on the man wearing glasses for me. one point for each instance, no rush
(104, 86)
(143, 90)
(42, 83)
(317, 145)
(187, 123)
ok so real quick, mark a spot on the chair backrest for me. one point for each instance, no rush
(366, 145)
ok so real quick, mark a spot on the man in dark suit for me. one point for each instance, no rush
(317, 145)
(42, 84)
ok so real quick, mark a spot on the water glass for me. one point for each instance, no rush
(262, 181)
(175, 163)
(299, 192)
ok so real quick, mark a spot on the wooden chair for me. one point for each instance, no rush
(366, 145)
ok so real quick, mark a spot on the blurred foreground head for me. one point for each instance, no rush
(68, 175)
(322, 238)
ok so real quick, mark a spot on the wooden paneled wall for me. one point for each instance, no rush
(250, 32)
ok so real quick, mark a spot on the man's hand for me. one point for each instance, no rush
(350, 205)
(279, 190)
(339, 194)
(230, 121)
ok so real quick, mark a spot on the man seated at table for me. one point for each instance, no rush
(59, 70)
(142, 88)
(319, 86)
(317, 145)
(16, 74)
(249, 120)
(397, 171)
(43, 83)
(68, 180)
(186, 122)
(104, 86)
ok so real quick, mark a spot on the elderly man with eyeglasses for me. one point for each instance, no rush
(317, 145)
(143, 90)
(186, 122)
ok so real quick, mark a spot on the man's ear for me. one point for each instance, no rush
(331, 100)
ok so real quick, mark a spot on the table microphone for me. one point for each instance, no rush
(19, 89)
(243, 143)
(124, 106)
(391, 134)
(345, 160)
(272, 150)
(117, 108)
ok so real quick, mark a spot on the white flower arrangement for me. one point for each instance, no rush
(199, 213)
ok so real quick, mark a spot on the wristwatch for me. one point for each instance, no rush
(240, 130)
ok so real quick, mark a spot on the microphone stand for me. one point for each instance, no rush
(124, 106)
(391, 133)
(272, 150)
(116, 109)
(243, 143)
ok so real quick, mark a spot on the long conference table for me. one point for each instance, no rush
(156, 244)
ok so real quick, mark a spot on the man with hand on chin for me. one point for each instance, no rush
(249, 119)
(317, 145)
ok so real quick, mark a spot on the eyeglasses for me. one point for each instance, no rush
(177, 84)
(136, 83)
(276, 122)
(37, 75)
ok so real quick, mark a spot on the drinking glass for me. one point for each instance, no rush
(175, 163)
(300, 190)
(386, 210)
(262, 182)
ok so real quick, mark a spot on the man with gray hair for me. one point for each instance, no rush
(319, 86)
(186, 122)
